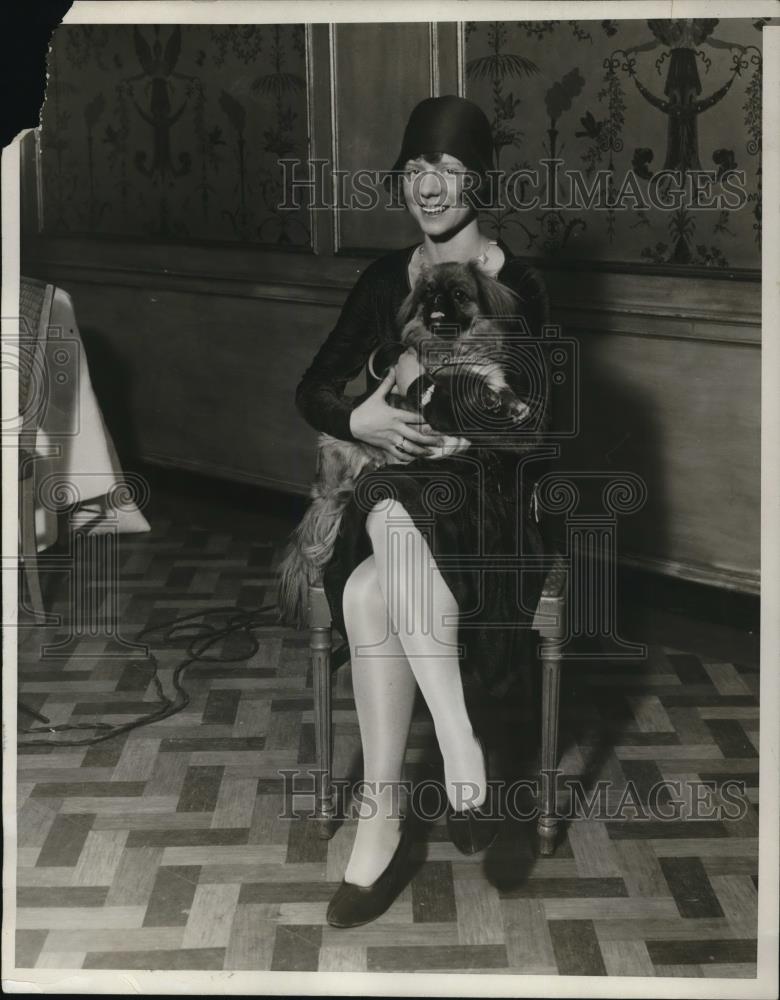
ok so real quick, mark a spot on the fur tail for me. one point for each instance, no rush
(309, 552)
(293, 588)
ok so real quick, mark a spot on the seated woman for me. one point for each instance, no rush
(408, 579)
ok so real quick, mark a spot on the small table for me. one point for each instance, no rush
(76, 459)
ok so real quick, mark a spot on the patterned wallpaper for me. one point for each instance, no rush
(173, 133)
(629, 98)
(167, 132)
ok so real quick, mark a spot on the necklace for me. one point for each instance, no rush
(482, 259)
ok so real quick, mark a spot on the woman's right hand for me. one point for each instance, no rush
(402, 434)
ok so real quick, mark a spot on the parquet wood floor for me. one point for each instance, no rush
(164, 848)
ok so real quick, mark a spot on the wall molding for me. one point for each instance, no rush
(190, 284)
(629, 305)
(334, 132)
(461, 57)
(433, 36)
(312, 124)
(660, 324)
(223, 472)
(743, 581)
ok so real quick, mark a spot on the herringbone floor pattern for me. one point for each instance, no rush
(164, 848)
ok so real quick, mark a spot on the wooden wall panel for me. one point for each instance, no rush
(375, 90)
(683, 414)
(204, 382)
(201, 374)
(670, 389)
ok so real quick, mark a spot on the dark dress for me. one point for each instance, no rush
(475, 509)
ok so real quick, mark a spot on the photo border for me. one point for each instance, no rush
(428, 984)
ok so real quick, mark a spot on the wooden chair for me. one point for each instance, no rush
(550, 622)
(35, 301)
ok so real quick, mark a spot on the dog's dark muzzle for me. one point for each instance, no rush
(438, 315)
(442, 324)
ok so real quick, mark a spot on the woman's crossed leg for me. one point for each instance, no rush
(401, 621)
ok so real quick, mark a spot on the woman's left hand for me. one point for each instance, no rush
(407, 369)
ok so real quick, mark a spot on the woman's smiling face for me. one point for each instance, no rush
(434, 194)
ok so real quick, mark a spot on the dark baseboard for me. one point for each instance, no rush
(226, 494)
(702, 602)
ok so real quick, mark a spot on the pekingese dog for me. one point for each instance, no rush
(453, 318)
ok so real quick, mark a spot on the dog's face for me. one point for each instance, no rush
(448, 298)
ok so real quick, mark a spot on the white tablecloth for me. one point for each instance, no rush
(78, 459)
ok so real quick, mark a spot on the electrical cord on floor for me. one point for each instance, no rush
(204, 636)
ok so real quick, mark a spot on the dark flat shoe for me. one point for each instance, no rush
(354, 905)
(474, 829)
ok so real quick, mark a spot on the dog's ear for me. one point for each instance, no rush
(410, 305)
(408, 308)
(496, 300)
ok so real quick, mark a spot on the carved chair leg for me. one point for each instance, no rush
(320, 646)
(547, 828)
